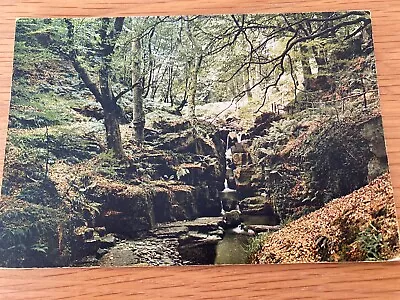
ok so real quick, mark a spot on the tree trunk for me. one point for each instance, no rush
(113, 134)
(138, 118)
(305, 63)
(193, 87)
(110, 108)
(194, 71)
(170, 83)
(320, 60)
(103, 93)
(246, 78)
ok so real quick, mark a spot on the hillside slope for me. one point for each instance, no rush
(358, 226)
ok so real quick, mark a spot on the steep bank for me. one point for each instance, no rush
(359, 226)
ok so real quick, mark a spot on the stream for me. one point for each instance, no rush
(205, 240)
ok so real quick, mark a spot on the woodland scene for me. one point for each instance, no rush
(192, 140)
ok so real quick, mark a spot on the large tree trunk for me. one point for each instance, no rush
(138, 118)
(113, 134)
(103, 93)
(110, 108)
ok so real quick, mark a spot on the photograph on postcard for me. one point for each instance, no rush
(196, 140)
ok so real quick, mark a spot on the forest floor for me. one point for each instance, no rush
(346, 229)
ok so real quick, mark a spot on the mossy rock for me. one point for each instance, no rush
(36, 236)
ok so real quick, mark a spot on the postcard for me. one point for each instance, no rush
(196, 140)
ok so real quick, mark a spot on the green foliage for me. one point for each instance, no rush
(61, 142)
(337, 156)
(275, 138)
(29, 54)
(254, 245)
(107, 165)
(41, 192)
(81, 204)
(371, 242)
(31, 109)
(34, 235)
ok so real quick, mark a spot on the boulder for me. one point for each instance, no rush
(243, 179)
(164, 122)
(198, 248)
(101, 231)
(232, 219)
(372, 131)
(262, 123)
(197, 239)
(107, 241)
(100, 252)
(241, 158)
(125, 209)
(90, 247)
(258, 205)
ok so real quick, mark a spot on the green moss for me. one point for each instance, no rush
(30, 109)
(34, 235)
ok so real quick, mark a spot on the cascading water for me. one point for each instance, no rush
(239, 137)
(226, 187)
(232, 248)
(228, 151)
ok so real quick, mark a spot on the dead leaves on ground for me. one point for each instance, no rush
(335, 223)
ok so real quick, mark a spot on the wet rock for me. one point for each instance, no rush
(162, 205)
(169, 231)
(107, 241)
(262, 123)
(169, 244)
(232, 219)
(90, 247)
(101, 231)
(100, 252)
(183, 202)
(126, 209)
(258, 205)
(88, 233)
(263, 228)
(198, 248)
(230, 178)
(87, 261)
(241, 158)
(243, 179)
(241, 230)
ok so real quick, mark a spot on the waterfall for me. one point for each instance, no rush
(228, 151)
(239, 137)
(223, 212)
(228, 154)
(226, 187)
